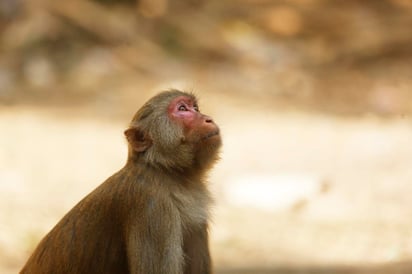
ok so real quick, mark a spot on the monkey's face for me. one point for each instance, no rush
(170, 131)
(198, 129)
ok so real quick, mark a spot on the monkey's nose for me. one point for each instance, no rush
(208, 120)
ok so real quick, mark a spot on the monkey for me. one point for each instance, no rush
(152, 216)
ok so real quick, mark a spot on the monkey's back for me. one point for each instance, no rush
(92, 230)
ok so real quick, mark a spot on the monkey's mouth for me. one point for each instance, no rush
(211, 134)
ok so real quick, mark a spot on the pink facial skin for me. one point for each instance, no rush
(185, 111)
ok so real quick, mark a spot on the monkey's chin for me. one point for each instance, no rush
(212, 141)
(212, 135)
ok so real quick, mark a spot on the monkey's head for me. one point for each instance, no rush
(170, 132)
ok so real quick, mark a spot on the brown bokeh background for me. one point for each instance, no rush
(314, 99)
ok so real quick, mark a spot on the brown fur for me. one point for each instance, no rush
(150, 217)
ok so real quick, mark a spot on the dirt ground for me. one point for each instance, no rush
(296, 192)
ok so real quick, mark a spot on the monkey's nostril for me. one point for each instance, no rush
(209, 120)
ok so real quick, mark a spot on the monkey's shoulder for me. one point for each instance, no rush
(142, 196)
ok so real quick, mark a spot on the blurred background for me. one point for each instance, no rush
(313, 98)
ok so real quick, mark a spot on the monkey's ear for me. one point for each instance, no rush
(137, 139)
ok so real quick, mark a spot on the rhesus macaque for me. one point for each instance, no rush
(151, 217)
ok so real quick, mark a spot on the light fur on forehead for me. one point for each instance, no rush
(161, 101)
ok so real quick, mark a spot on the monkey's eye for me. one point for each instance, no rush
(196, 108)
(182, 108)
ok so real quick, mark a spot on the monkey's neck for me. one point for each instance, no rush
(186, 176)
